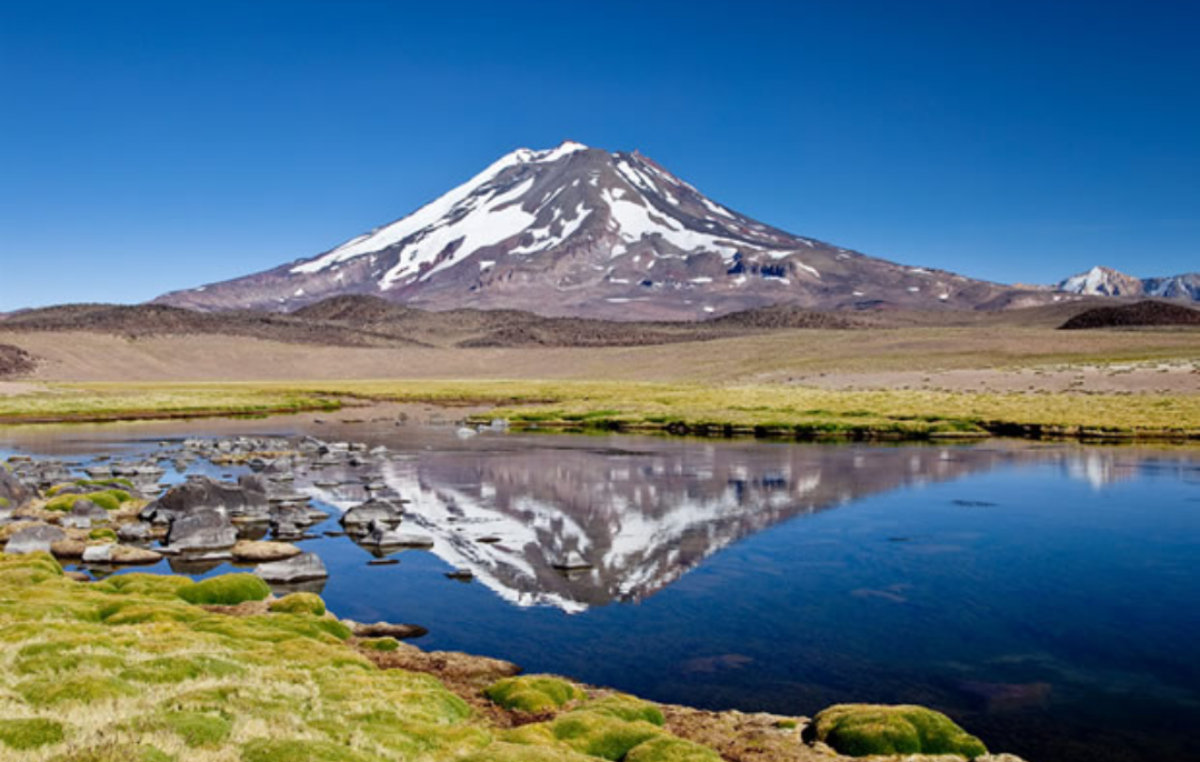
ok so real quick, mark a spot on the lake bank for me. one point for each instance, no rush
(801, 413)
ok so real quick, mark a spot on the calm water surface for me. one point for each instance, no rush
(1045, 596)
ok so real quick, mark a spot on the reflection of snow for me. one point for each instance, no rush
(1098, 469)
(641, 519)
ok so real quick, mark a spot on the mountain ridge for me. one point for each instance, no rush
(1107, 281)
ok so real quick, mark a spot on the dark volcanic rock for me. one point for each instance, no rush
(1147, 313)
(201, 494)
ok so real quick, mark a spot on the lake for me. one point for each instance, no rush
(1044, 595)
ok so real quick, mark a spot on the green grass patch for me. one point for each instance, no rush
(860, 730)
(30, 733)
(225, 590)
(533, 693)
(299, 603)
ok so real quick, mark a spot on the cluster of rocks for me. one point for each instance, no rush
(204, 521)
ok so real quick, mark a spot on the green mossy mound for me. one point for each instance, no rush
(627, 708)
(99, 485)
(109, 500)
(501, 751)
(601, 735)
(160, 586)
(30, 734)
(533, 693)
(300, 603)
(380, 644)
(116, 752)
(861, 730)
(83, 688)
(176, 669)
(198, 728)
(225, 590)
(669, 749)
(297, 750)
(103, 534)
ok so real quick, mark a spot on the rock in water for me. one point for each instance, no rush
(133, 532)
(301, 568)
(251, 550)
(207, 530)
(358, 519)
(381, 536)
(201, 494)
(13, 492)
(97, 554)
(34, 538)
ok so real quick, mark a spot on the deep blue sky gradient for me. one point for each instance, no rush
(152, 146)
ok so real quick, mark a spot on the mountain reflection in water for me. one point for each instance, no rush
(643, 517)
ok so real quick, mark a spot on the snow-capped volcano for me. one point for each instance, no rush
(580, 231)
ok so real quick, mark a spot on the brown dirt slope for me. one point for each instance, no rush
(1140, 314)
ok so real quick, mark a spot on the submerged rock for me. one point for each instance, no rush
(301, 568)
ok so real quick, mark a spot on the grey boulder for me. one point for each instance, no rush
(301, 568)
(208, 530)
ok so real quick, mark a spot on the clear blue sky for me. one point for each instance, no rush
(152, 146)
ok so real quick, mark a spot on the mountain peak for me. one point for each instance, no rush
(573, 230)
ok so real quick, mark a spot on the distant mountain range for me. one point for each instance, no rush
(578, 231)
(1105, 281)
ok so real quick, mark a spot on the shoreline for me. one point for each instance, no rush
(651, 409)
(487, 710)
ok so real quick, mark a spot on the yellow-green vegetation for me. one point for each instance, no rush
(620, 728)
(117, 483)
(381, 644)
(225, 590)
(109, 500)
(299, 603)
(125, 670)
(533, 693)
(110, 402)
(29, 733)
(683, 408)
(861, 730)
